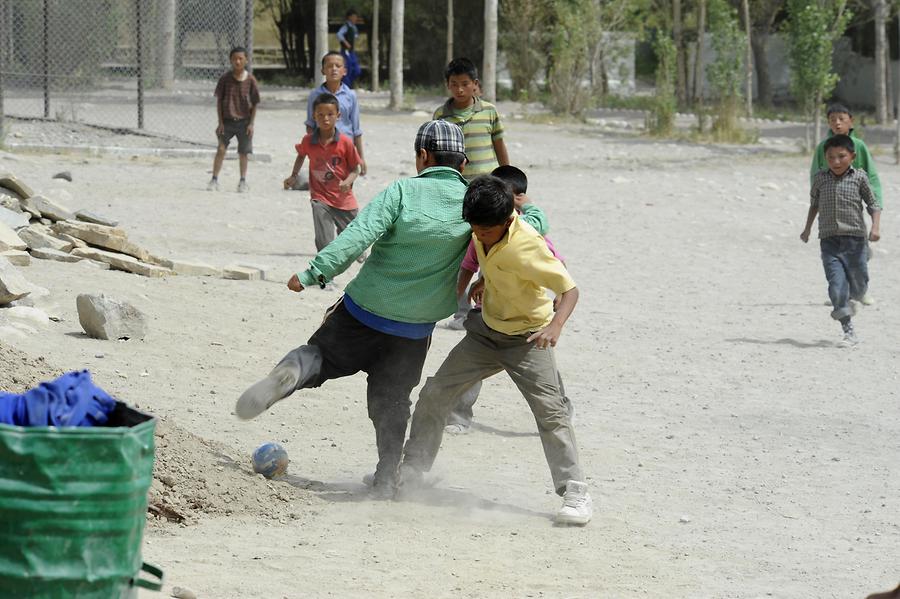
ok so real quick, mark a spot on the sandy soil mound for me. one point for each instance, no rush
(21, 372)
(193, 477)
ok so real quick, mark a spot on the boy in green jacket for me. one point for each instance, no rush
(382, 325)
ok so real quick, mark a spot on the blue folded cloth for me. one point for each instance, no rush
(70, 400)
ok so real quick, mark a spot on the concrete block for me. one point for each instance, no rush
(194, 269)
(241, 273)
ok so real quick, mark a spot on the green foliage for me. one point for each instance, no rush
(812, 28)
(575, 31)
(661, 119)
(726, 71)
(523, 38)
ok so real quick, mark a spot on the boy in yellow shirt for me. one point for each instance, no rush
(515, 330)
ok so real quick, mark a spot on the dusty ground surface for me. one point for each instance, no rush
(733, 450)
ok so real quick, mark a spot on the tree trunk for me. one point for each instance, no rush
(396, 61)
(749, 57)
(375, 45)
(321, 32)
(489, 67)
(880, 8)
(698, 59)
(897, 136)
(678, 38)
(760, 42)
(817, 117)
(449, 31)
(167, 43)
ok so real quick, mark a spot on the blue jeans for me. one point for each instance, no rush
(844, 258)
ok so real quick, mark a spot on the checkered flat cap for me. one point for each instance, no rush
(440, 136)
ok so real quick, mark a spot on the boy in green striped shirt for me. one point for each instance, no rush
(478, 119)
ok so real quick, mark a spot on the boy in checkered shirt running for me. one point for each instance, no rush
(837, 197)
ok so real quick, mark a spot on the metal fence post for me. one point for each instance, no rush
(45, 59)
(3, 25)
(248, 31)
(140, 66)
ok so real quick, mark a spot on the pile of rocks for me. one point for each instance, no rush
(36, 226)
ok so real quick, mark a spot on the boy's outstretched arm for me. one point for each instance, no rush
(298, 164)
(358, 142)
(810, 219)
(549, 335)
(462, 282)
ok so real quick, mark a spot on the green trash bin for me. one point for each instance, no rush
(73, 504)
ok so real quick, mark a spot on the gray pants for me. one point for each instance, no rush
(328, 218)
(484, 352)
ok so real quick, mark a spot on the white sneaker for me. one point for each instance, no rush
(456, 324)
(213, 185)
(243, 187)
(867, 300)
(577, 507)
(850, 339)
(279, 383)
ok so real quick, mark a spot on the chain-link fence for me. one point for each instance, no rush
(144, 65)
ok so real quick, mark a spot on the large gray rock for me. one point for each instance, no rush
(13, 219)
(102, 317)
(13, 286)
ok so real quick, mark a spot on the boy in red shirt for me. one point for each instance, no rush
(333, 167)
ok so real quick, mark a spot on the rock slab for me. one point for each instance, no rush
(9, 240)
(17, 257)
(55, 255)
(10, 182)
(38, 236)
(92, 217)
(13, 286)
(102, 236)
(241, 273)
(103, 317)
(13, 219)
(48, 208)
(123, 262)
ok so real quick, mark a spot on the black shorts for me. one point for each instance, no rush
(237, 127)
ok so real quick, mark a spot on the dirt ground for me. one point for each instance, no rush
(732, 448)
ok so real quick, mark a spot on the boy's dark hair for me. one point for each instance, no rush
(350, 12)
(333, 53)
(461, 66)
(513, 176)
(840, 141)
(451, 159)
(326, 98)
(488, 202)
(237, 49)
(838, 108)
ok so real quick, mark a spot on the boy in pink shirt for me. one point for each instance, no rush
(334, 165)
(460, 419)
